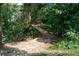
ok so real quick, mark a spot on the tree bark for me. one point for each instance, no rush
(30, 13)
(29, 20)
(1, 44)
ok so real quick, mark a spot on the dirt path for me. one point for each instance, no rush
(25, 47)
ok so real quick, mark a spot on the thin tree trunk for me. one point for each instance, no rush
(29, 13)
(29, 20)
(1, 44)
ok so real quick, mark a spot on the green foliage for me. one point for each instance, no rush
(69, 41)
(13, 25)
(30, 31)
(62, 19)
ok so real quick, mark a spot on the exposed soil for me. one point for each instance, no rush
(27, 47)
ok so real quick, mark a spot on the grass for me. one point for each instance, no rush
(60, 49)
(59, 52)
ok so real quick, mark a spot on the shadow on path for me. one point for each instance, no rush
(9, 51)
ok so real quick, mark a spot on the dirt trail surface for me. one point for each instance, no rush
(23, 48)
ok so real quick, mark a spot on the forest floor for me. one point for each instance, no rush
(28, 47)
(35, 47)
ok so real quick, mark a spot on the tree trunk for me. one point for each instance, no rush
(29, 20)
(1, 44)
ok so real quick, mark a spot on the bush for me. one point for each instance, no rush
(69, 40)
